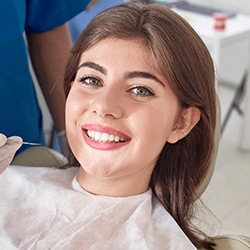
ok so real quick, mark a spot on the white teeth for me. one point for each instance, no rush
(104, 137)
(97, 136)
(111, 138)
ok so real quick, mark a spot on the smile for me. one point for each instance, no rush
(104, 137)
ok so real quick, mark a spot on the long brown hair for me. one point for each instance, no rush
(183, 59)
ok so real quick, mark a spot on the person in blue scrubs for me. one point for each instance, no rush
(38, 29)
(78, 23)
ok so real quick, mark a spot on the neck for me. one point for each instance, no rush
(112, 186)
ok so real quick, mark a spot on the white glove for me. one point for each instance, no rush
(8, 150)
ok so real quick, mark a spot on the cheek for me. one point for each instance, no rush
(74, 106)
(155, 125)
(70, 110)
(73, 113)
(162, 121)
(165, 126)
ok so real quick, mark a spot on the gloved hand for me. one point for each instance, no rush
(8, 150)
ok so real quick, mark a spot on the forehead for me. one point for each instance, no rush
(124, 49)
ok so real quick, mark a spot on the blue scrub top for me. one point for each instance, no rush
(19, 110)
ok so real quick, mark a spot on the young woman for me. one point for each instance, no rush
(140, 121)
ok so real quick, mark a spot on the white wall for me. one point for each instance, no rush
(241, 6)
(231, 71)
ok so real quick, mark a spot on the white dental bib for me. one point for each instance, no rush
(42, 208)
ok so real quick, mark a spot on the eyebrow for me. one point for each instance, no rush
(128, 75)
(94, 66)
(142, 74)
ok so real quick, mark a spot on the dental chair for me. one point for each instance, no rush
(40, 156)
(45, 156)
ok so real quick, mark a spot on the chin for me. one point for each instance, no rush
(98, 171)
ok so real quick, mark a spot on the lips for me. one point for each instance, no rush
(104, 138)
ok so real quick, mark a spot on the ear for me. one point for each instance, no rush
(188, 118)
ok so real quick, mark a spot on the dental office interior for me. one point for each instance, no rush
(227, 195)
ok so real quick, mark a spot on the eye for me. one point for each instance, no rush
(88, 80)
(142, 91)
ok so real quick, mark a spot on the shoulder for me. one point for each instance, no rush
(168, 228)
(37, 189)
(18, 177)
(45, 15)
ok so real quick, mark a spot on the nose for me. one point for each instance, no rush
(107, 104)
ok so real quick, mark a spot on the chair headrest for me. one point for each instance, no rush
(40, 157)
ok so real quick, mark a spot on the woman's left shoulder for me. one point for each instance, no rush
(168, 229)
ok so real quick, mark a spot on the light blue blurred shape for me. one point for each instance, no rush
(78, 23)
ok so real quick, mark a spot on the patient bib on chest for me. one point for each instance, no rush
(42, 208)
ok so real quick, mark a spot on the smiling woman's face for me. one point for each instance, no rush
(119, 114)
